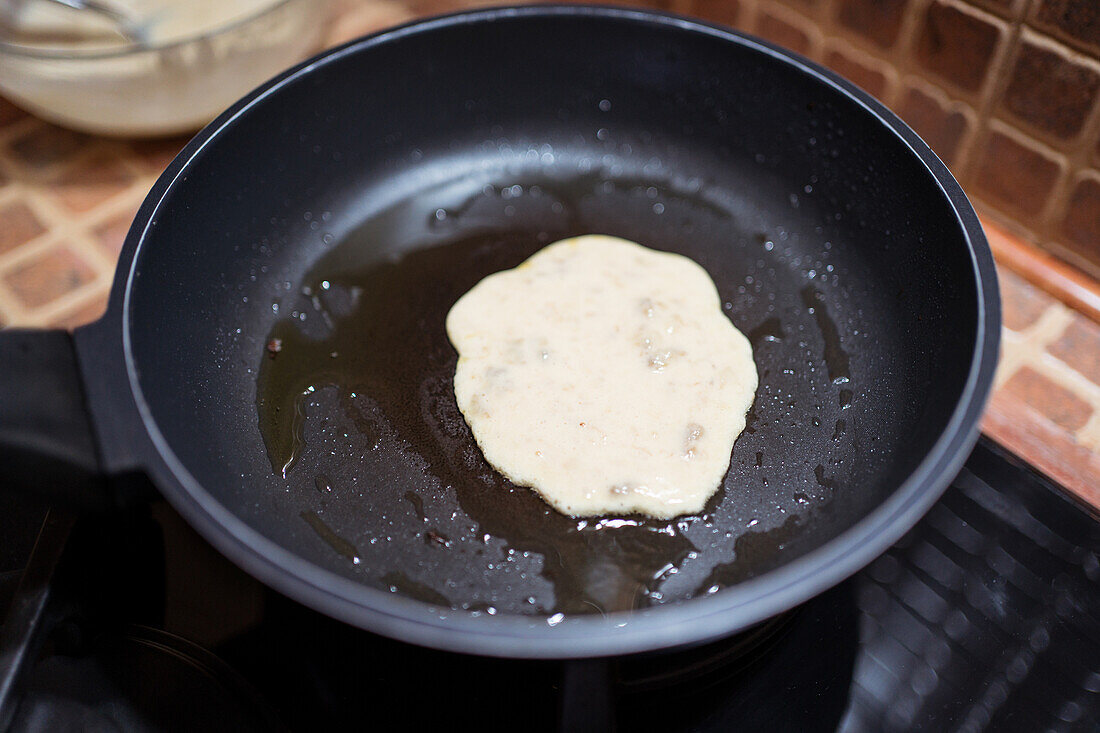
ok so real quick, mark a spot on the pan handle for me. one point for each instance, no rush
(47, 450)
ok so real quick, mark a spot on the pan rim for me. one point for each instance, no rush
(697, 620)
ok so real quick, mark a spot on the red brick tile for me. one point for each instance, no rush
(155, 155)
(1016, 177)
(1021, 302)
(856, 71)
(779, 31)
(111, 234)
(1050, 91)
(355, 19)
(957, 46)
(49, 277)
(468, 4)
(1059, 404)
(1081, 224)
(1079, 346)
(18, 224)
(1046, 446)
(9, 113)
(1077, 21)
(433, 7)
(1003, 8)
(92, 182)
(83, 314)
(47, 145)
(941, 128)
(879, 21)
(727, 12)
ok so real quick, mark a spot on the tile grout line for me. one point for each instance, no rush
(994, 87)
(1010, 358)
(1089, 434)
(47, 174)
(1046, 329)
(66, 226)
(46, 315)
(903, 52)
(1030, 349)
(1066, 376)
(1076, 152)
(10, 307)
(11, 192)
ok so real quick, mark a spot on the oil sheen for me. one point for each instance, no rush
(377, 471)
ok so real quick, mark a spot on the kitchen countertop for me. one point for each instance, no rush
(66, 202)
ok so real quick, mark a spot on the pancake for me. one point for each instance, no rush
(604, 376)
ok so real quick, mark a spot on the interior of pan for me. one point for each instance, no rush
(344, 214)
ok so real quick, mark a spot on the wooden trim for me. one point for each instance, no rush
(1063, 281)
(1048, 448)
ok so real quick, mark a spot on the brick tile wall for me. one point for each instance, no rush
(1049, 90)
(879, 21)
(1081, 221)
(956, 46)
(1062, 406)
(1026, 191)
(1007, 92)
(941, 124)
(1075, 21)
(47, 278)
(857, 69)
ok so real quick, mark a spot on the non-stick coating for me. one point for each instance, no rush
(462, 149)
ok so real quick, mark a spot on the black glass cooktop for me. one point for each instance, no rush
(985, 617)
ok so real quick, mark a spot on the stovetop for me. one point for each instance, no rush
(985, 617)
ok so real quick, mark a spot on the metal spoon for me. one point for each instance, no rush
(122, 17)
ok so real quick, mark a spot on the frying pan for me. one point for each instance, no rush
(273, 354)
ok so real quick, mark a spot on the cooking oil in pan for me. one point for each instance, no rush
(375, 345)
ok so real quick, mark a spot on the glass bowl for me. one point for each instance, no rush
(154, 88)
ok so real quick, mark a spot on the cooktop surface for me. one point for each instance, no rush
(986, 616)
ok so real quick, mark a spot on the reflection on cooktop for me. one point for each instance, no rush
(985, 617)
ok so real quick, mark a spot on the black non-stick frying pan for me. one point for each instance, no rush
(274, 355)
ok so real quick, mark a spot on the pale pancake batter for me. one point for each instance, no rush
(605, 376)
